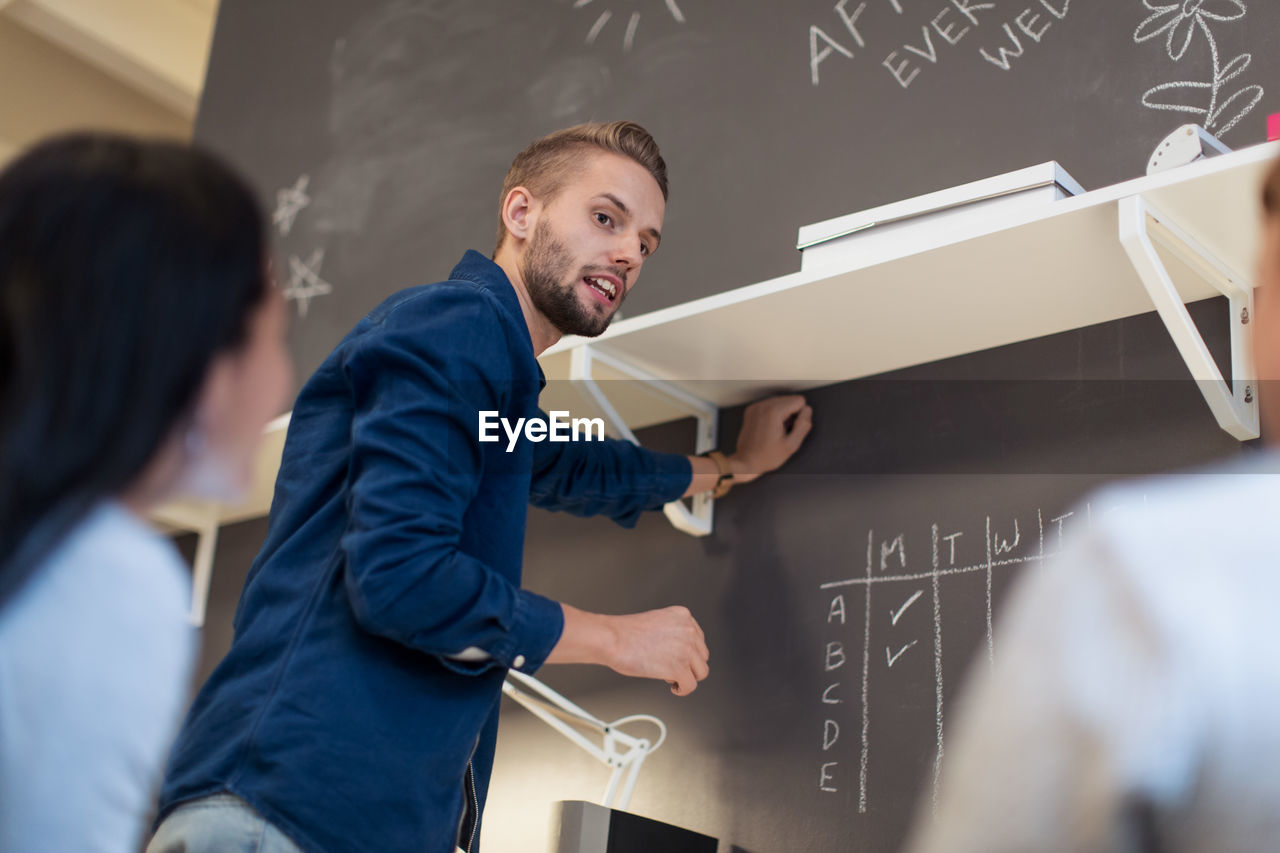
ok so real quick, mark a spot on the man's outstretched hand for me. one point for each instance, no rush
(772, 430)
(667, 645)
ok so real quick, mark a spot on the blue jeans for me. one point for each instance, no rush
(219, 823)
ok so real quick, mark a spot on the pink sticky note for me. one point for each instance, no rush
(1273, 127)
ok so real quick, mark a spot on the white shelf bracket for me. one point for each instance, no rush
(581, 371)
(202, 573)
(200, 518)
(1235, 406)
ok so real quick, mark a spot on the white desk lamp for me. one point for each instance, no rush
(620, 751)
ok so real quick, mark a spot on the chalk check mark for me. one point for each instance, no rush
(892, 659)
(903, 609)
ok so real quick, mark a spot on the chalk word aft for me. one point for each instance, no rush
(558, 427)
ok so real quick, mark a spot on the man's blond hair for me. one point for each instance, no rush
(547, 163)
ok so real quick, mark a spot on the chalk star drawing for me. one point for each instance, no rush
(633, 23)
(305, 282)
(1178, 23)
(289, 203)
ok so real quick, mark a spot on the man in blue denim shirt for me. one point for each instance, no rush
(357, 708)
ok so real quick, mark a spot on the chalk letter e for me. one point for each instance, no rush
(826, 777)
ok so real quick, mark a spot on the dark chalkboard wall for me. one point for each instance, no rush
(890, 457)
(395, 121)
(943, 444)
(403, 116)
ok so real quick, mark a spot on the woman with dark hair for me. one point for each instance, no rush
(141, 353)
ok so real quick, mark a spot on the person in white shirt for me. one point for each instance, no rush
(1132, 705)
(141, 353)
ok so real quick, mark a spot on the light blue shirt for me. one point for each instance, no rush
(95, 660)
(1135, 682)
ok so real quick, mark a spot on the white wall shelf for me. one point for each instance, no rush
(986, 283)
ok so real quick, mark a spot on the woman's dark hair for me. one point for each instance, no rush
(125, 267)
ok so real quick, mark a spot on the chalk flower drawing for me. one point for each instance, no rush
(633, 23)
(1179, 22)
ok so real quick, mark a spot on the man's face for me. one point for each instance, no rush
(1266, 332)
(590, 241)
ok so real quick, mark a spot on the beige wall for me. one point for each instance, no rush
(47, 90)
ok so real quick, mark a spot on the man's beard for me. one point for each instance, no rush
(546, 272)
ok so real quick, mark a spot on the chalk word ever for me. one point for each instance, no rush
(558, 427)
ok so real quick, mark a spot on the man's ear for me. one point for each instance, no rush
(519, 213)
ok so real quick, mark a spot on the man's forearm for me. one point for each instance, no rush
(664, 644)
(587, 638)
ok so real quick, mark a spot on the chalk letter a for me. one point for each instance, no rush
(837, 609)
(816, 56)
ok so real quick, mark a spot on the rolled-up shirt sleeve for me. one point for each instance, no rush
(417, 382)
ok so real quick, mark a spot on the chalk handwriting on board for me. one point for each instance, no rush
(290, 201)
(305, 282)
(865, 732)
(895, 615)
(1179, 23)
(943, 26)
(633, 22)
(1027, 28)
(890, 658)
(829, 45)
(1007, 542)
(935, 578)
(888, 548)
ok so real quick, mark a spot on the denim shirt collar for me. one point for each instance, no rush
(475, 267)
